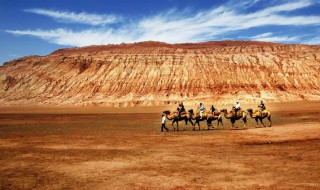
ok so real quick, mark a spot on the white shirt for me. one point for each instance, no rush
(201, 108)
(164, 119)
(237, 105)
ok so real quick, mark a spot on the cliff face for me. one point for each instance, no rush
(154, 73)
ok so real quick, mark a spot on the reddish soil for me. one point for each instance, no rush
(73, 149)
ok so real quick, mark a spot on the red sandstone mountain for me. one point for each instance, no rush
(154, 73)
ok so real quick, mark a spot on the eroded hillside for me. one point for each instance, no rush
(154, 73)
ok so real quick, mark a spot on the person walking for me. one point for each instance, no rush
(164, 123)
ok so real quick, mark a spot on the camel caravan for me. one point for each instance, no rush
(195, 117)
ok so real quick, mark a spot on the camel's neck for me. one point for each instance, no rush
(251, 115)
(169, 117)
(193, 116)
(226, 115)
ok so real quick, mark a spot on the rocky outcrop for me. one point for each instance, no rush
(154, 73)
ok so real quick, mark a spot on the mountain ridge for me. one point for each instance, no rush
(156, 73)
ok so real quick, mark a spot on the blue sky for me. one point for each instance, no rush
(38, 27)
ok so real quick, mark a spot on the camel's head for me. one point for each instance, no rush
(190, 111)
(224, 111)
(250, 110)
(166, 112)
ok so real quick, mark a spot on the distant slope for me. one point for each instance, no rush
(155, 73)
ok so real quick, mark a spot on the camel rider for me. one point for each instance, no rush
(180, 109)
(237, 107)
(201, 110)
(262, 107)
(213, 109)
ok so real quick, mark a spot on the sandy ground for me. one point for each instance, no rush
(55, 148)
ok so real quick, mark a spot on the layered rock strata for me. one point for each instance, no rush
(154, 73)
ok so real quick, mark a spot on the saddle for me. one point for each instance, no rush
(263, 113)
(216, 113)
(183, 113)
(204, 114)
(239, 112)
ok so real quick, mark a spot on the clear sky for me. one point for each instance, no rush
(38, 27)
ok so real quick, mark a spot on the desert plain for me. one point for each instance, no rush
(123, 148)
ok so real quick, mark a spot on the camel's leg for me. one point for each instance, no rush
(191, 122)
(269, 119)
(257, 123)
(199, 124)
(220, 120)
(177, 125)
(211, 124)
(244, 122)
(208, 124)
(232, 123)
(186, 120)
(173, 125)
(262, 122)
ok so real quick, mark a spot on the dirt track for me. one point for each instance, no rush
(127, 151)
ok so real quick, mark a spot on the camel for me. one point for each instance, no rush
(209, 117)
(214, 116)
(257, 115)
(233, 117)
(175, 118)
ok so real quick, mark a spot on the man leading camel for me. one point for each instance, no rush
(163, 126)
